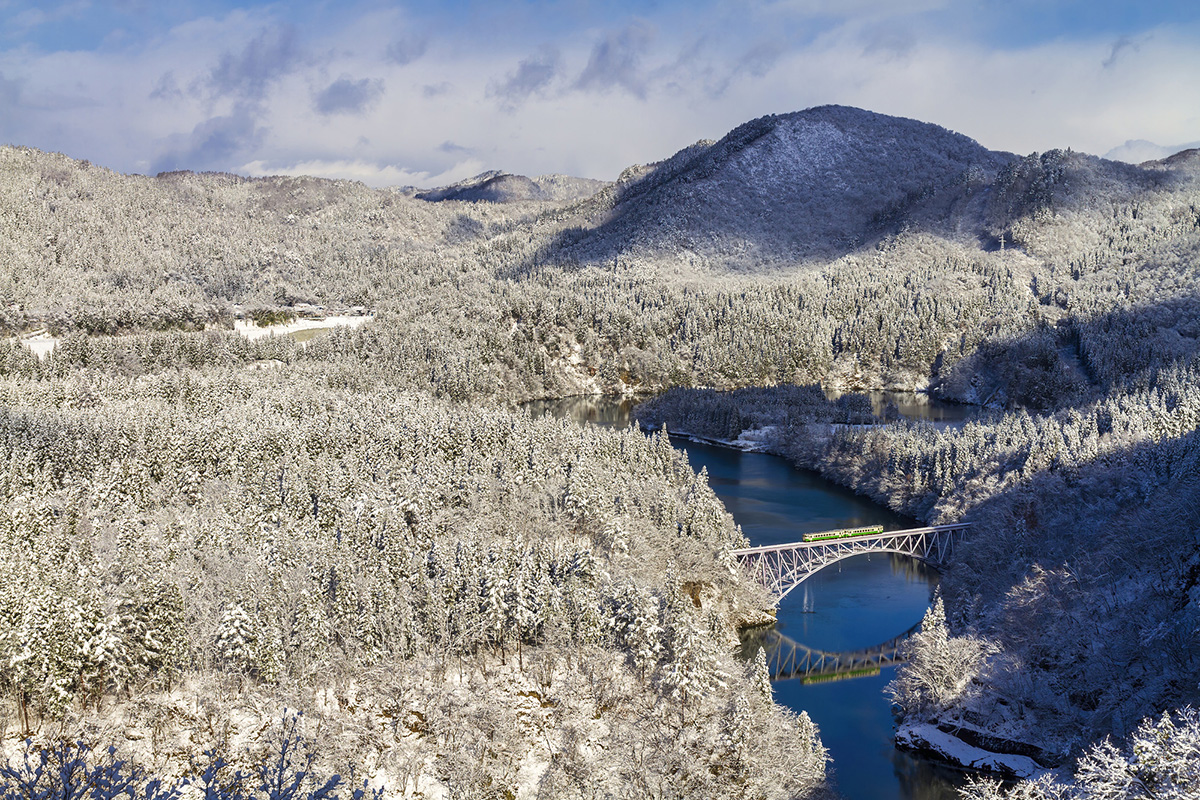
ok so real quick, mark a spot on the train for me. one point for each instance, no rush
(844, 533)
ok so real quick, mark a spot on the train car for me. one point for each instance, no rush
(844, 533)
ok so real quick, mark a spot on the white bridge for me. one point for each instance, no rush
(782, 567)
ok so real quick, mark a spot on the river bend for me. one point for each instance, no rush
(857, 603)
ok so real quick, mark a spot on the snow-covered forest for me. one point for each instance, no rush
(190, 549)
(198, 530)
(1081, 573)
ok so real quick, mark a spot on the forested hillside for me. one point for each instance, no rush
(1032, 268)
(202, 529)
(185, 553)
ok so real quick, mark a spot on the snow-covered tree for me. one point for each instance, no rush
(692, 667)
(236, 643)
(939, 665)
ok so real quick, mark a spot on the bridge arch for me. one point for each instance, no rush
(842, 557)
(781, 568)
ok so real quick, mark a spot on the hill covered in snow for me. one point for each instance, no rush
(807, 185)
(502, 187)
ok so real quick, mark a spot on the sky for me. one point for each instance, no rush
(430, 93)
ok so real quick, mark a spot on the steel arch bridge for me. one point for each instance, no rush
(781, 568)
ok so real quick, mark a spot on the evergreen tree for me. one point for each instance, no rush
(237, 639)
(939, 665)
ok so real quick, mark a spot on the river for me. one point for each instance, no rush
(857, 603)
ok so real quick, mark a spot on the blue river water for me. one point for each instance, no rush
(854, 604)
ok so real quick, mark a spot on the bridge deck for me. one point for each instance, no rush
(886, 535)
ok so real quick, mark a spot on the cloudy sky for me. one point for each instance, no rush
(429, 93)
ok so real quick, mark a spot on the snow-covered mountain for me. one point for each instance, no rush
(802, 185)
(501, 187)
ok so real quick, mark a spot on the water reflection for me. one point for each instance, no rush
(617, 411)
(914, 405)
(609, 412)
(787, 659)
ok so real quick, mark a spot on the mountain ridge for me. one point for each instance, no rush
(795, 186)
(497, 186)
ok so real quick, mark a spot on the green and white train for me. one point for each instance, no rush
(843, 533)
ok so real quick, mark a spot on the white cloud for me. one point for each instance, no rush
(128, 108)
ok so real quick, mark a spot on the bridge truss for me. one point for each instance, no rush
(781, 568)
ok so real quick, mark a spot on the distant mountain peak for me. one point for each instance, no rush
(496, 186)
(804, 184)
(1139, 151)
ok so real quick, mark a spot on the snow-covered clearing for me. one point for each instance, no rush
(41, 343)
(250, 330)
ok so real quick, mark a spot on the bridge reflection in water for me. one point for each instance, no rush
(787, 658)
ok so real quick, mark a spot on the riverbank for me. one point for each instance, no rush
(932, 741)
(758, 441)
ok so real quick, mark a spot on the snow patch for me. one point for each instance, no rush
(41, 343)
(252, 331)
(927, 738)
(757, 440)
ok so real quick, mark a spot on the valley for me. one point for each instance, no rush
(461, 600)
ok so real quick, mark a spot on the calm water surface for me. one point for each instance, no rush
(857, 603)
(918, 406)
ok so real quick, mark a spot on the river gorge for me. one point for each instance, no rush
(857, 603)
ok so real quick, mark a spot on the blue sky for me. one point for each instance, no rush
(428, 93)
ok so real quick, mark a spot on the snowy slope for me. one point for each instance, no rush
(807, 184)
(502, 187)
